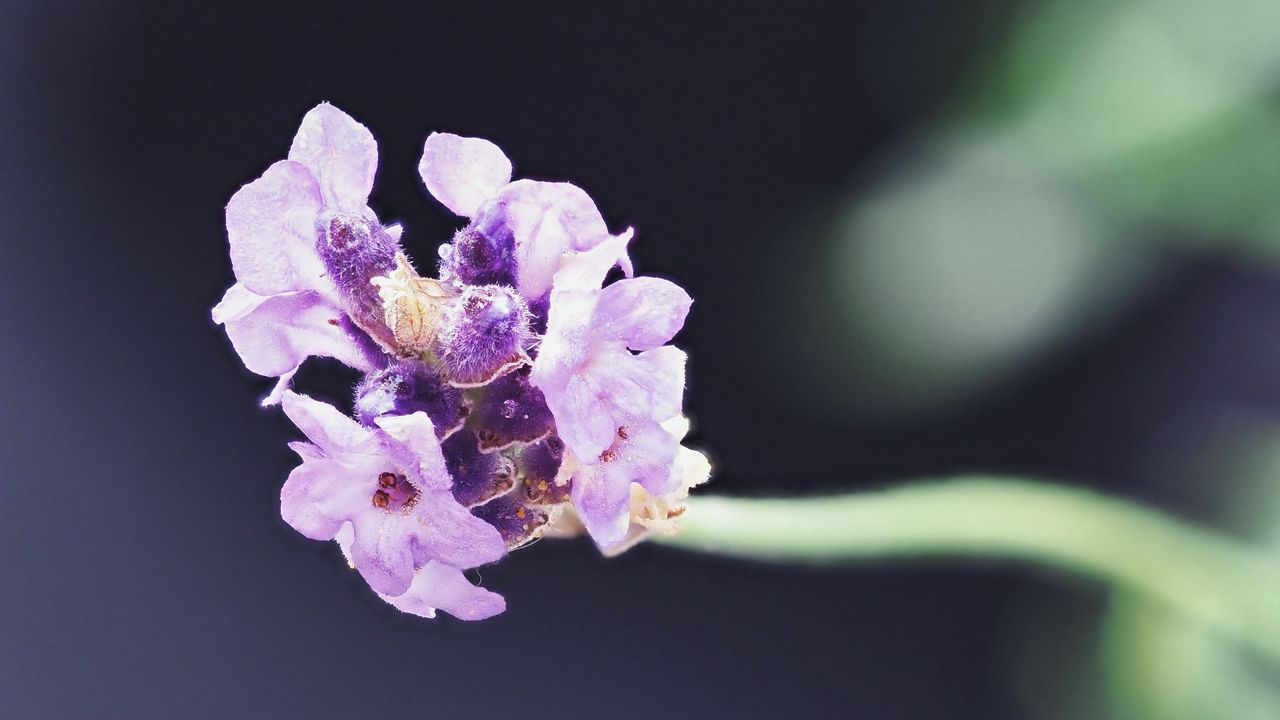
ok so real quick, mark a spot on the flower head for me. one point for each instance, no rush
(517, 395)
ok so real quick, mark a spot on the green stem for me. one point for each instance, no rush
(1207, 576)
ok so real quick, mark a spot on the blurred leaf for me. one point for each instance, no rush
(965, 264)
(1162, 667)
(1154, 108)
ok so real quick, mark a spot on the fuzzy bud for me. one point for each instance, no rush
(483, 334)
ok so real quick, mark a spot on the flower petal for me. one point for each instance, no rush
(416, 446)
(644, 312)
(447, 532)
(603, 505)
(274, 334)
(570, 332)
(584, 419)
(319, 497)
(547, 220)
(439, 586)
(341, 154)
(271, 230)
(335, 433)
(648, 457)
(277, 391)
(648, 386)
(691, 468)
(382, 551)
(463, 172)
(663, 372)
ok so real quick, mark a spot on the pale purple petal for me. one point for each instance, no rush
(644, 312)
(383, 553)
(586, 270)
(306, 451)
(604, 506)
(336, 434)
(341, 154)
(319, 496)
(271, 231)
(570, 332)
(418, 448)
(276, 395)
(584, 419)
(548, 220)
(463, 172)
(649, 385)
(439, 586)
(449, 533)
(647, 457)
(568, 340)
(274, 334)
(663, 372)
(236, 302)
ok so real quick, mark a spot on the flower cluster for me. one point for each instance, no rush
(527, 390)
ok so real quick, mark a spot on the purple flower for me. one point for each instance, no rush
(304, 245)
(516, 396)
(391, 486)
(520, 231)
(659, 513)
(609, 403)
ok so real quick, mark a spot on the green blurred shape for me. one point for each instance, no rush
(1240, 38)
(1160, 109)
(966, 263)
(1162, 667)
(1029, 218)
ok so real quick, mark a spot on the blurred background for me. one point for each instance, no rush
(1037, 238)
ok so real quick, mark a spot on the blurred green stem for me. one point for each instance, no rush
(1223, 583)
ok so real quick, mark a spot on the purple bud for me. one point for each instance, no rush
(539, 464)
(408, 387)
(477, 476)
(512, 410)
(517, 522)
(355, 249)
(483, 253)
(483, 334)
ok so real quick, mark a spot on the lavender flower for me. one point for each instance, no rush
(520, 231)
(516, 396)
(608, 403)
(304, 244)
(390, 484)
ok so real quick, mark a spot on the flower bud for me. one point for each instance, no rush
(483, 334)
(355, 249)
(408, 387)
(483, 253)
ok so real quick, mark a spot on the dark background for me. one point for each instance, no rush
(145, 571)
